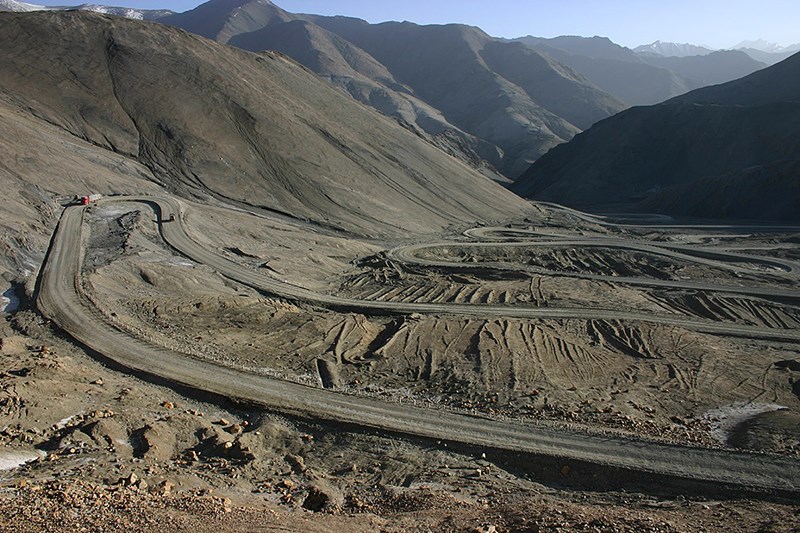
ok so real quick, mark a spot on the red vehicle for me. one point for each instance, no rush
(86, 200)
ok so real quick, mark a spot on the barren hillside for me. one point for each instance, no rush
(212, 121)
(511, 104)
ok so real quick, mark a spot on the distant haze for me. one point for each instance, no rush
(714, 23)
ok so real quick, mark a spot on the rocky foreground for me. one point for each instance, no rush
(117, 453)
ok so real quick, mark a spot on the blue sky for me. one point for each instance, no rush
(717, 23)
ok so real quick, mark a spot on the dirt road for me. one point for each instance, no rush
(735, 262)
(60, 299)
(175, 235)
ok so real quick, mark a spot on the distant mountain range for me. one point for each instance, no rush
(765, 46)
(760, 50)
(642, 78)
(770, 58)
(127, 12)
(726, 151)
(659, 48)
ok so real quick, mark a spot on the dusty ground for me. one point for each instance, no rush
(117, 452)
(121, 453)
(649, 379)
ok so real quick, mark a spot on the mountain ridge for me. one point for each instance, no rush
(369, 82)
(490, 118)
(531, 89)
(682, 156)
(669, 49)
(642, 78)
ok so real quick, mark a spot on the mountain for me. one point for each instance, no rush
(211, 121)
(368, 81)
(19, 7)
(768, 58)
(512, 105)
(594, 47)
(766, 52)
(505, 93)
(709, 69)
(726, 151)
(642, 79)
(765, 46)
(140, 14)
(261, 25)
(667, 49)
(613, 68)
(127, 12)
(221, 20)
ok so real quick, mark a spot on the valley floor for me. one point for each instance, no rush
(685, 336)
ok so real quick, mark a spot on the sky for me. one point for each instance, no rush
(715, 23)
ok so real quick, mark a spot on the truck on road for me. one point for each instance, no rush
(88, 199)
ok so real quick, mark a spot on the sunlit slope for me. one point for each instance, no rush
(211, 120)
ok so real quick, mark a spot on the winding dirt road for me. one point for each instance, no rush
(175, 235)
(727, 260)
(60, 298)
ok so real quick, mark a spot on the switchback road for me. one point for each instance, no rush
(736, 262)
(175, 235)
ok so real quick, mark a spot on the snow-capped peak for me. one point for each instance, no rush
(766, 46)
(668, 49)
(13, 5)
(139, 14)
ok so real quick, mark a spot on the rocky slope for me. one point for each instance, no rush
(368, 81)
(708, 153)
(511, 106)
(260, 25)
(207, 120)
(514, 97)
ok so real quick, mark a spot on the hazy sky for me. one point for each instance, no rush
(717, 23)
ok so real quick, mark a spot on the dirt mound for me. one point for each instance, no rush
(774, 431)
